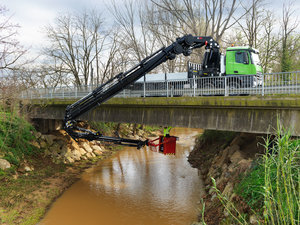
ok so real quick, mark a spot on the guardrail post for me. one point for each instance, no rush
(263, 85)
(167, 88)
(226, 87)
(194, 86)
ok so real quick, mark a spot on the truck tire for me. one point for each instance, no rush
(234, 85)
(205, 85)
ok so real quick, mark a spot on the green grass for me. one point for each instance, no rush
(24, 185)
(35, 217)
(272, 187)
(281, 189)
(251, 186)
(15, 137)
(106, 128)
(109, 128)
(150, 129)
(8, 217)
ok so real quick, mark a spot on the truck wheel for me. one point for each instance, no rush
(207, 85)
(234, 85)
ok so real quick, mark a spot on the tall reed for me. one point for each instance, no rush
(280, 190)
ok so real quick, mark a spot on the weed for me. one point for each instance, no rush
(7, 217)
(150, 129)
(106, 128)
(273, 185)
(251, 186)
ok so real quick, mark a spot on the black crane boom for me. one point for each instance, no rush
(104, 92)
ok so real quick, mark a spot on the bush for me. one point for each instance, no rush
(15, 136)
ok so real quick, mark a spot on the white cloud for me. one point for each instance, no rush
(33, 15)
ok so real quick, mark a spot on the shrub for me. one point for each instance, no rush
(15, 136)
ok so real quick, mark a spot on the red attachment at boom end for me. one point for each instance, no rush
(166, 145)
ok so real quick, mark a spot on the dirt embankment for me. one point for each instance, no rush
(225, 159)
(26, 192)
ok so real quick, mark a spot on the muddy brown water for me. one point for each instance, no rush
(134, 188)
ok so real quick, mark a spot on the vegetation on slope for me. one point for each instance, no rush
(16, 135)
(272, 187)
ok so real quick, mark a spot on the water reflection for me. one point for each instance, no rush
(134, 187)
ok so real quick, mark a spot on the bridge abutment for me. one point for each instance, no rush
(46, 126)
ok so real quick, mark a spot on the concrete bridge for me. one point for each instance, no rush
(254, 114)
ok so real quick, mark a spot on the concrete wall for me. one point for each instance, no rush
(241, 114)
(47, 125)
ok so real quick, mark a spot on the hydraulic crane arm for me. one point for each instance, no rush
(104, 92)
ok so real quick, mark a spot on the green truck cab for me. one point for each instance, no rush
(240, 64)
(242, 61)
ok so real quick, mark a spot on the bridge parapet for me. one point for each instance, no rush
(234, 113)
(258, 85)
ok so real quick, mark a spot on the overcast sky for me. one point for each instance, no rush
(33, 15)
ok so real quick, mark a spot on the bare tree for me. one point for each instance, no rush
(204, 17)
(252, 23)
(111, 64)
(132, 29)
(288, 27)
(269, 42)
(164, 27)
(11, 51)
(76, 41)
(257, 28)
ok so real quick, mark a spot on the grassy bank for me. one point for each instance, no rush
(271, 188)
(26, 195)
(17, 189)
(16, 135)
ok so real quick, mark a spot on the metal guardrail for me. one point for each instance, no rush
(194, 66)
(272, 83)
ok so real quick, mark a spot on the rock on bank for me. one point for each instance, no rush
(224, 156)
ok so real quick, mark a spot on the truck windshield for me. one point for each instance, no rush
(255, 58)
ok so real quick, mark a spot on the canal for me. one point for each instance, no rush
(134, 187)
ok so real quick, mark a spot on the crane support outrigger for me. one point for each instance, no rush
(104, 92)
